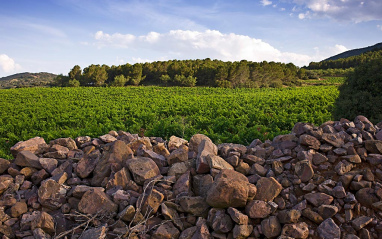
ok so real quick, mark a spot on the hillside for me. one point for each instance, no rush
(355, 52)
(26, 79)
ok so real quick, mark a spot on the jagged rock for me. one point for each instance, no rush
(142, 169)
(195, 205)
(366, 196)
(36, 145)
(374, 146)
(312, 215)
(217, 162)
(87, 164)
(361, 222)
(327, 211)
(333, 139)
(318, 199)
(183, 185)
(328, 229)
(4, 165)
(96, 201)
(57, 151)
(49, 164)
(296, 230)
(288, 216)
(65, 142)
(230, 189)
(27, 159)
(267, 189)
(51, 195)
(258, 209)
(242, 231)
(149, 201)
(99, 233)
(172, 214)
(18, 209)
(205, 148)
(309, 141)
(107, 138)
(304, 170)
(44, 221)
(166, 230)
(237, 216)
(179, 154)
(219, 221)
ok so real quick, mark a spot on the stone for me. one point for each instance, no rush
(361, 222)
(4, 165)
(205, 148)
(183, 185)
(318, 199)
(36, 145)
(18, 209)
(327, 211)
(171, 214)
(289, 216)
(87, 164)
(38, 233)
(121, 178)
(127, 214)
(44, 221)
(258, 209)
(328, 229)
(51, 195)
(201, 184)
(343, 167)
(374, 146)
(166, 230)
(188, 233)
(242, 231)
(195, 205)
(175, 142)
(195, 141)
(57, 151)
(107, 138)
(312, 215)
(65, 142)
(296, 230)
(339, 192)
(160, 149)
(49, 164)
(142, 169)
(319, 159)
(226, 148)
(217, 162)
(352, 158)
(304, 170)
(309, 141)
(96, 201)
(179, 154)
(27, 159)
(229, 189)
(267, 189)
(202, 231)
(92, 233)
(219, 221)
(149, 201)
(237, 216)
(271, 227)
(366, 196)
(333, 139)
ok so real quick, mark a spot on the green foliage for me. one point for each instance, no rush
(73, 83)
(361, 93)
(27, 79)
(119, 80)
(225, 115)
(75, 73)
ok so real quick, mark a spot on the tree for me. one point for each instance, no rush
(136, 74)
(73, 83)
(61, 80)
(75, 73)
(119, 80)
(165, 79)
(361, 93)
(94, 75)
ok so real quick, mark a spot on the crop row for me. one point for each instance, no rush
(225, 115)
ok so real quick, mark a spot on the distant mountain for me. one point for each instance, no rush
(27, 79)
(355, 52)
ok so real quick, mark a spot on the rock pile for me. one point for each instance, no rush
(317, 182)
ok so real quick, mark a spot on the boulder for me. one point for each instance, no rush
(97, 202)
(36, 145)
(142, 169)
(267, 189)
(328, 229)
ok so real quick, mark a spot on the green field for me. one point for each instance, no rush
(225, 115)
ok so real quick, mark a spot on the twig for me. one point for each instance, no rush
(75, 228)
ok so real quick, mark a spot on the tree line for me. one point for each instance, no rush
(207, 72)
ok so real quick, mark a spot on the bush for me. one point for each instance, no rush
(361, 93)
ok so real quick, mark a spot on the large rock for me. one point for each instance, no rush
(258, 209)
(374, 146)
(166, 231)
(318, 199)
(304, 170)
(328, 229)
(175, 142)
(195, 205)
(217, 162)
(87, 164)
(66, 142)
(36, 145)
(4, 165)
(149, 201)
(44, 221)
(230, 189)
(297, 230)
(309, 141)
(333, 139)
(142, 169)
(178, 155)
(195, 141)
(113, 156)
(96, 201)
(27, 159)
(271, 227)
(51, 195)
(205, 148)
(267, 189)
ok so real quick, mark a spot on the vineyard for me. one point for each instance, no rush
(225, 115)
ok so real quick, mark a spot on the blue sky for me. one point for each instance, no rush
(54, 35)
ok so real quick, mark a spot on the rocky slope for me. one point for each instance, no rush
(317, 182)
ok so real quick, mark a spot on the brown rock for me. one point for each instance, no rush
(195, 142)
(230, 189)
(150, 201)
(27, 159)
(121, 178)
(171, 214)
(36, 145)
(195, 205)
(18, 209)
(309, 141)
(178, 155)
(201, 230)
(226, 148)
(51, 195)
(49, 164)
(343, 167)
(161, 149)
(206, 147)
(312, 215)
(327, 211)
(87, 164)
(297, 230)
(271, 227)
(288, 216)
(304, 170)
(242, 231)
(166, 230)
(65, 142)
(95, 233)
(114, 155)
(57, 151)
(96, 201)
(366, 197)
(44, 221)
(318, 199)
(4, 165)
(219, 221)
(5, 182)
(107, 138)
(328, 229)
(201, 184)
(188, 233)
(333, 139)
(182, 187)
(142, 169)
(374, 146)
(217, 162)
(361, 222)
(352, 158)
(237, 216)
(175, 142)
(258, 209)
(267, 189)
(38, 233)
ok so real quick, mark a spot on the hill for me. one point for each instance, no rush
(355, 52)
(27, 79)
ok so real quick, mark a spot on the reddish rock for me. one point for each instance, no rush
(237, 216)
(44, 221)
(195, 142)
(318, 199)
(96, 201)
(195, 205)
(242, 231)
(142, 169)
(87, 164)
(175, 142)
(271, 227)
(309, 141)
(98, 233)
(57, 151)
(178, 155)
(219, 221)
(217, 162)
(374, 146)
(4, 165)
(304, 170)
(205, 148)
(51, 195)
(183, 185)
(49, 164)
(258, 209)
(328, 229)
(166, 230)
(333, 139)
(36, 145)
(267, 189)
(149, 201)
(230, 189)
(297, 230)
(27, 159)
(65, 142)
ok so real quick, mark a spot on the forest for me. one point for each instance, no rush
(207, 72)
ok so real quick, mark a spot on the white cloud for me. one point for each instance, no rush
(339, 49)
(266, 2)
(379, 27)
(344, 10)
(8, 65)
(179, 44)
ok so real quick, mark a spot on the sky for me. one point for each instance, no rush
(54, 35)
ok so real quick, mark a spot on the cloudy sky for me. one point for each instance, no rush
(54, 35)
